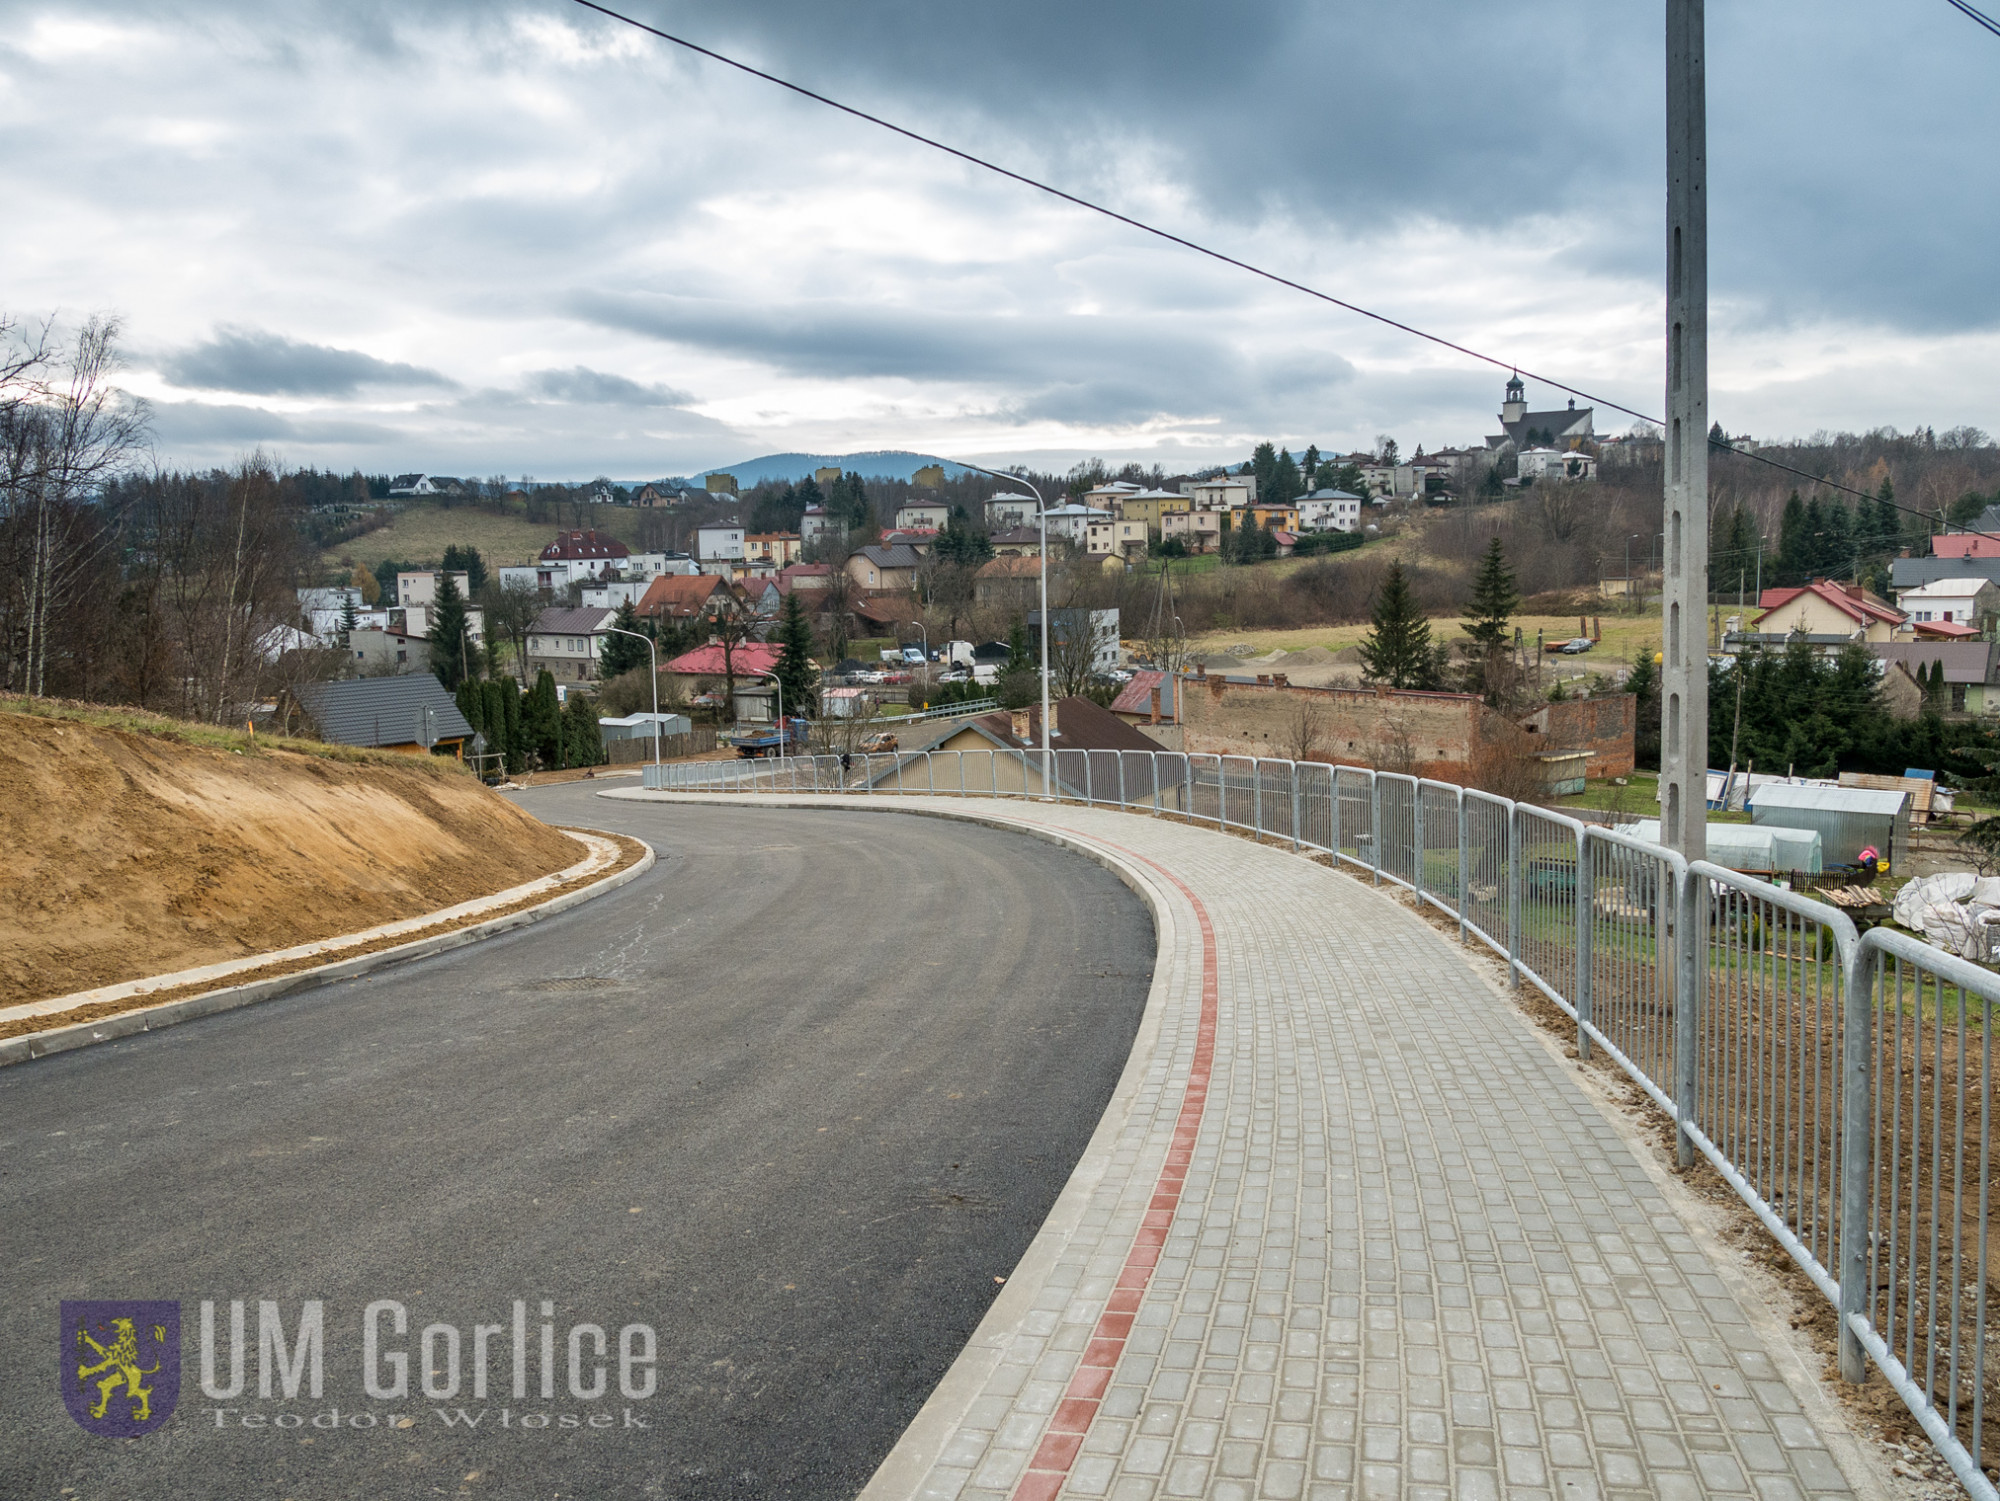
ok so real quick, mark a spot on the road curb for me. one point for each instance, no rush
(903, 1475)
(34, 1045)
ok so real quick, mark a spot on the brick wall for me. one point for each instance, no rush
(1432, 734)
(1605, 727)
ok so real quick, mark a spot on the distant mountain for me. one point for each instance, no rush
(879, 464)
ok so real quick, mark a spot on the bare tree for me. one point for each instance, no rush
(65, 430)
(511, 608)
(734, 624)
(1306, 727)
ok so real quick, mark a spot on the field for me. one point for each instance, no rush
(1624, 637)
(422, 530)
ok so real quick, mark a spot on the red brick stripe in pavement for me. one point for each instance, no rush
(1078, 1408)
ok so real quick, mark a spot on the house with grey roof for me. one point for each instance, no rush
(568, 643)
(411, 713)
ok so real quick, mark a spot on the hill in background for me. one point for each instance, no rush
(881, 463)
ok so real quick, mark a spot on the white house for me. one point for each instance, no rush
(919, 513)
(1006, 510)
(1973, 602)
(1071, 522)
(717, 547)
(421, 587)
(1226, 492)
(568, 643)
(1551, 463)
(1330, 511)
(816, 524)
(1125, 539)
(609, 594)
(1109, 497)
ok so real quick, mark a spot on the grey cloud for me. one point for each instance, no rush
(184, 425)
(585, 386)
(257, 363)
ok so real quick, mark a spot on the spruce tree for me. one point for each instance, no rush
(795, 672)
(1398, 650)
(349, 619)
(1644, 683)
(1494, 600)
(622, 654)
(1285, 481)
(541, 719)
(452, 655)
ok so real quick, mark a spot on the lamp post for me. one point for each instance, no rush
(1042, 587)
(653, 656)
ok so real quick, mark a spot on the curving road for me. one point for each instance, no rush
(796, 1099)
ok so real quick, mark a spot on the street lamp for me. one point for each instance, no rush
(1042, 586)
(653, 656)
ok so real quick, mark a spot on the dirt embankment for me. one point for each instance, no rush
(128, 856)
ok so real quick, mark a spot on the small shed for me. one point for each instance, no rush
(1847, 819)
(641, 727)
(1764, 850)
(1562, 772)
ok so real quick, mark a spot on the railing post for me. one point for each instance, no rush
(1089, 801)
(1464, 862)
(1119, 757)
(1687, 1024)
(1857, 1148)
(1586, 920)
(1417, 841)
(1257, 796)
(1515, 894)
(1375, 825)
(930, 774)
(1221, 792)
(1295, 807)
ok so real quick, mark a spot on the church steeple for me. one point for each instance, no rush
(1515, 407)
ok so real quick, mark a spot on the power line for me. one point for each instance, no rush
(1217, 255)
(1979, 16)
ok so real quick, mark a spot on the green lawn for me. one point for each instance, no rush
(422, 529)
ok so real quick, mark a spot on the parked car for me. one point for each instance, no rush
(878, 742)
(956, 675)
(897, 677)
(1576, 646)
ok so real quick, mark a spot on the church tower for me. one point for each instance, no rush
(1515, 407)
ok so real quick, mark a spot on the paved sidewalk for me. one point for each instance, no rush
(1371, 1240)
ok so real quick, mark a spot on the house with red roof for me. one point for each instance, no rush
(746, 660)
(1825, 608)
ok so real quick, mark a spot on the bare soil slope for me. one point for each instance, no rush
(129, 855)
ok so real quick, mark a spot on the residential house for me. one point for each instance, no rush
(809, 577)
(585, 554)
(1971, 670)
(1521, 429)
(1109, 497)
(1124, 540)
(919, 512)
(1824, 608)
(569, 643)
(760, 592)
(718, 548)
(654, 496)
(1147, 704)
(1284, 518)
(412, 714)
(1330, 511)
(1287, 541)
(773, 550)
(750, 659)
(1096, 630)
(1199, 530)
(1070, 521)
(1007, 510)
(720, 484)
(1556, 464)
(816, 524)
(1226, 492)
(377, 652)
(1967, 602)
(1010, 742)
(1965, 545)
(893, 567)
(612, 593)
(683, 597)
(418, 620)
(826, 476)
(1912, 573)
(1148, 506)
(1007, 581)
(1017, 542)
(421, 588)
(922, 538)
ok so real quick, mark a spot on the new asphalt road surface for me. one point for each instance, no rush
(694, 1191)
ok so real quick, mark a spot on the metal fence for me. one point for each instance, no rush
(1841, 1083)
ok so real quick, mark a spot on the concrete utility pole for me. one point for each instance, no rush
(1684, 681)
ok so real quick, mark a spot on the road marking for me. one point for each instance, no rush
(1074, 1414)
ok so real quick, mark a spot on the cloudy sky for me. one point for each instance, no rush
(519, 238)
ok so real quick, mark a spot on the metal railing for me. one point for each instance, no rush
(1841, 1083)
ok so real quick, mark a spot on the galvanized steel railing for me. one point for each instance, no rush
(1841, 1083)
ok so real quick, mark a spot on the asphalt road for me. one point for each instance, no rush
(796, 1099)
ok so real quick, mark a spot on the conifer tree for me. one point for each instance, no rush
(452, 656)
(1398, 650)
(795, 671)
(621, 653)
(1494, 600)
